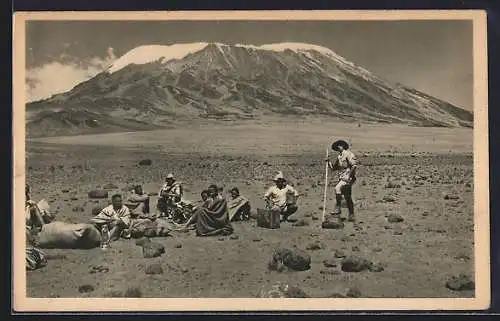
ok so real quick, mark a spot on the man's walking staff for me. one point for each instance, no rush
(326, 188)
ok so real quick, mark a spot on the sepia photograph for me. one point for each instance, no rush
(250, 161)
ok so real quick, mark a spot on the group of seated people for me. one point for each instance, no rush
(212, 215)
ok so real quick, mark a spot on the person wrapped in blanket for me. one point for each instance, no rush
(239, 206)
(138, 202)
(116, 217)
(212, 218)
(35, 258)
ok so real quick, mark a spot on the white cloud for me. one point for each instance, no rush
(63, 74)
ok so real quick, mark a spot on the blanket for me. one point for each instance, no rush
(235, 205)
(213, 219)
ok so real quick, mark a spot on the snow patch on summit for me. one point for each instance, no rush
(150, 53)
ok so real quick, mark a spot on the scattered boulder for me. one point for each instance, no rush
(281, 290)
(178, 245)
(98, 194)
(86, 288)
(154, 268)
(314, 247)
(336, 225)
(395, 218)
(389, 199)
(355, 264)
(451, 197)
(110, 186)
(151, 250)
(461, 282)
(339, 254)
(146, 162)
(293, 259)
(98, 268)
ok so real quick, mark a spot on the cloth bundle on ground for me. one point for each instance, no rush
(60, 235)
(213, 218)
(147, 227)
(239, 208)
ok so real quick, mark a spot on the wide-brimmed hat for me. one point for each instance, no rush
(338, 143)
(279, 177)
(170, 176)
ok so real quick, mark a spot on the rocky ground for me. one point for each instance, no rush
(413, 237)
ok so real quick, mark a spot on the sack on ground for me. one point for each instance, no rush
(60, 235)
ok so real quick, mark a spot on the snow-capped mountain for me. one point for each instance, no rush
(151, 86)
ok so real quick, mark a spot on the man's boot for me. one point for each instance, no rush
(338, 199)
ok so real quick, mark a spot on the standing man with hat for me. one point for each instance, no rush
(347, 164)
(282, 197)
(170, 194)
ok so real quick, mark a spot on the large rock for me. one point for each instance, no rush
(151, 250)
(461, 282)
(293, 259)
(355, 264)
(282, 290)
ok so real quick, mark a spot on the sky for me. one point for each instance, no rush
(432, 56)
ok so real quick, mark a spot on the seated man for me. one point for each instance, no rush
(138, 202)
(239, 206)
(212, 218)
(169, 195)
(116, 216)
(34, 217)
(282, 197)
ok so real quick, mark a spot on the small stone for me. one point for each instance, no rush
(355, 264)
(234, 237)
(330, 263)
(461, 282)
(154, 268)
(86, 288)
(151, 250)
(395, 218)
(339, 254)
(353, 293)
(178, 245)
(332, 225)
(314, 247)
(389, 199)
(146, 162)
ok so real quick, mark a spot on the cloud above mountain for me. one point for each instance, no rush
(62, 73)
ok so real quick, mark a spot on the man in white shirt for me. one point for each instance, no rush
(282, 197)
(116, 216)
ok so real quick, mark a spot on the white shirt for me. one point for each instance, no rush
(278, 196)
(122, 214)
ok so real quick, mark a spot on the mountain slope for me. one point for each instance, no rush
(151, 86)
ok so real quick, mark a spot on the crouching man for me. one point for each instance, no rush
(282, 197)
(116, 217)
